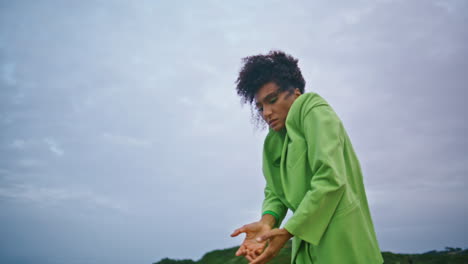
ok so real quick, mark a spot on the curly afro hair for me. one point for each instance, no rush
(276, 66)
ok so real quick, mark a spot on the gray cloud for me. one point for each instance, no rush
(119, 121)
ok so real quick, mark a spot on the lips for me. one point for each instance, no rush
(272, 122)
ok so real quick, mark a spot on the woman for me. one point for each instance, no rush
(310, 168)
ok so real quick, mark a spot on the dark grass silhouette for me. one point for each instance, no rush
(227, 256)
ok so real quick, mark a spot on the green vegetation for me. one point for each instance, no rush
(448, 256)
(226, 256)
(173, 261)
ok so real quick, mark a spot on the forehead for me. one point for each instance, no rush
(265, 90)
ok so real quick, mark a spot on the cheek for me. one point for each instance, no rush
(283, 111)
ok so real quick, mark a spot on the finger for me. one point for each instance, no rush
(240, 251)
(252, 255)
(258, 251)
(256, 254)
(250, 259)
(260, 260)
(263, 258)
(238, 231)
(270, 234)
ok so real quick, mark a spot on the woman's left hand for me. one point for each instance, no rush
(276, 240)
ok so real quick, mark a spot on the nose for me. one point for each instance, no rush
(266, 113)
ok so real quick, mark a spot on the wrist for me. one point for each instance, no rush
(287, 232)
(269, 220)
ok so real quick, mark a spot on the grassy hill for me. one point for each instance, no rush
(226, 256)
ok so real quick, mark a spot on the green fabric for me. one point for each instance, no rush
(311, 169)
(272, 203)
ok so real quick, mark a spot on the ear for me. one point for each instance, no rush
(297, 92)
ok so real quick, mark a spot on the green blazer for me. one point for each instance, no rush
(311, 169)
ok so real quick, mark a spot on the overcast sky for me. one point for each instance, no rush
(122, 139)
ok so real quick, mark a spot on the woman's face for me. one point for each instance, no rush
(274, 104)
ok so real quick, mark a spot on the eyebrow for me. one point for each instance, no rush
(267, 97)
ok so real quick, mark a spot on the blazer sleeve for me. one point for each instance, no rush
(323, 133)
(273, 205)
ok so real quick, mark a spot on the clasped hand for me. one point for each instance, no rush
(257, 234)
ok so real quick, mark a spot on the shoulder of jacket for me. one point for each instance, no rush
(304, 104)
